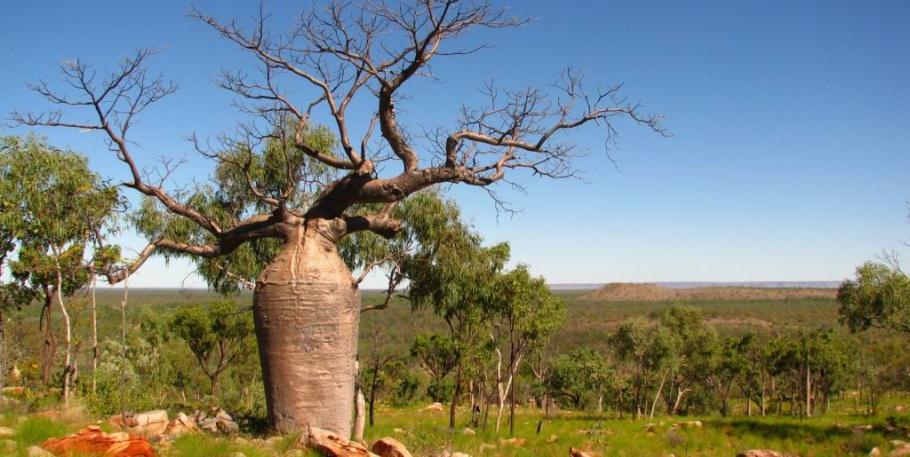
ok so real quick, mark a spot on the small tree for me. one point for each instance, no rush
(54, 208)
(437, 355)
(218, 334)
(529, 314)
(879, 297)
(583, 376)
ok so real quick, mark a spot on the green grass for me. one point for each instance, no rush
(426, 433)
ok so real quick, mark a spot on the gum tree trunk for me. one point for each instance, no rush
(307, 309)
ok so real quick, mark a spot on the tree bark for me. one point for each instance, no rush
(359, 417)
(2, 350)
(306, 308)
(68, 356)
(49, 349)
(95, 353)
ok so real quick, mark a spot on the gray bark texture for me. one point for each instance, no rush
(307, 310)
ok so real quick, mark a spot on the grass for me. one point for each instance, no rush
(426, 433)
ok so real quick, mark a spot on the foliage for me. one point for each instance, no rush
(879, 297)
(583, 376)
(218, 334)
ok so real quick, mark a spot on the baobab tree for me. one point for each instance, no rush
(306, 303)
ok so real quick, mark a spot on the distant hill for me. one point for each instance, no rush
(653, 292)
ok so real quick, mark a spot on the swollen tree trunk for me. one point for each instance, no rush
(306, 308)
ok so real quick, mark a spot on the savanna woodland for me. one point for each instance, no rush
(465, 352)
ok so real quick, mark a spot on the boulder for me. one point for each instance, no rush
(486, 447)
(460, 454)
(900, 452)
(332, 445)
(6, 432)
(875, 452)
(693, 424)
(91, 440)
(150, 423)
(552, 439)
(899, 444)
(390, 447)
(435, 407)
(468, 431)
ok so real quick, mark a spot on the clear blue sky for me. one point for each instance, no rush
(791, 124)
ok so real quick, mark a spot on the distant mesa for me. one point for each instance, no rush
(620, 291)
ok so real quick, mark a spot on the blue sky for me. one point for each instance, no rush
(788, 159)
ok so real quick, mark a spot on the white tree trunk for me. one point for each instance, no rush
(68, 356)
(359, 417)
(660, 388)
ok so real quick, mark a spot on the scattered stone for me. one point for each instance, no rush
(401, 431)
(220, 422)
(517, 442)
(900, 452)
(761, 453)
(552, 439)
(150, 423)
(875, 452)
(862, 428)
(460, 454)
(486, 447)
(35, 451)
(332, 445)
(650, 427)
(435, 407)
(468, 431)
(573, 452)
(900, 409)
(238, 454)
(899, 444)
(295, 453)
(180, 425)
(694, 424)
(390, 447)
(91, 440)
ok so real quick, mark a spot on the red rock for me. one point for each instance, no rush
(332, 445)
(390, 447)
(92, 441)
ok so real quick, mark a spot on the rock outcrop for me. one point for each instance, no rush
(92, 441)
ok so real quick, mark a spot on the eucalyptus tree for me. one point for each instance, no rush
(459, 284)
(346, 53)
(583, 376)
(218, 334)
(879, 297)
(54, 209)
(528, 314)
